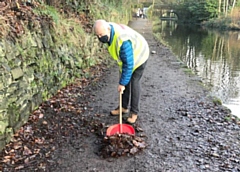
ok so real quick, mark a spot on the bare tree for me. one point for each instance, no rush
(233, 5)
(219, 6)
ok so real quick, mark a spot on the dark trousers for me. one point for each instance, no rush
(133, 89)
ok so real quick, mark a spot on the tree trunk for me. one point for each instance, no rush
(219, 6)
(224, 7)
(227, 4)
(152, 7)
(233, 5)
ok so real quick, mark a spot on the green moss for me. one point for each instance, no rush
(49, 11)
(3, 125)
(217, 101)
(187, 70)
(227, 118)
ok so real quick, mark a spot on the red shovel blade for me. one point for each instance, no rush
(120, 129)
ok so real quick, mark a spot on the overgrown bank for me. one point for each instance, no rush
(43, 49)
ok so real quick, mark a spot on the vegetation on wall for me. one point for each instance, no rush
(44, 47)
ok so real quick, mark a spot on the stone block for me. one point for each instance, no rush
(25, 111)
(2, 141)
(17, 62)
(47, 40)
(28, 41)
(11, 98)
(36, 100)
(18, 125)
(9, 134)
(6, 79)
(24, 84)
(6, 67)
(12, 87)
(4, 103)
(1, 86)
(14, 114)
(2, 50)
(17, 73)
(21, 99)
(38, 40)
(3, 60)
(8, 46)
(12, 52)
(3, 126)
(3, 114)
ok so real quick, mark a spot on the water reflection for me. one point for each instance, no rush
(214, 56)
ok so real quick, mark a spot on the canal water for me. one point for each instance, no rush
(213, 55)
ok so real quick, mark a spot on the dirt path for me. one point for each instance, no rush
(185, 130)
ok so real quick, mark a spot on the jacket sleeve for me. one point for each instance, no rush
(126, 55)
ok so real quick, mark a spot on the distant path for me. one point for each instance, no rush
(175, 116)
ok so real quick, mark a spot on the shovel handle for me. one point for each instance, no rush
(120, 107)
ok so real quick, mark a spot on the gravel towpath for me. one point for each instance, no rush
(185, 130)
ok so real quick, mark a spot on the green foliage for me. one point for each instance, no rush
(238, 3)
(211, 7)
(156, 25)
(49, 11)
(223, 23)
(187, 70)
(228, 118)
(217, 101)
(198, 11)
(77, 6)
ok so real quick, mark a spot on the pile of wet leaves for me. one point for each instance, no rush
(121, 145)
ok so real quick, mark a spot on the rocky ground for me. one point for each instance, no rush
(181, 126)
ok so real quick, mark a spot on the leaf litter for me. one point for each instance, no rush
(59, 120)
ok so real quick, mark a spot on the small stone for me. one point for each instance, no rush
(17, 73)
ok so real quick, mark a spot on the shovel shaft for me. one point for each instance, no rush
(120, 107)
(120, 128)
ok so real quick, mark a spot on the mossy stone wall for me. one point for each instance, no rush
(43, 60)
(34, 67)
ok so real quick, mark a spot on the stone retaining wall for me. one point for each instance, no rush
(34, 67)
